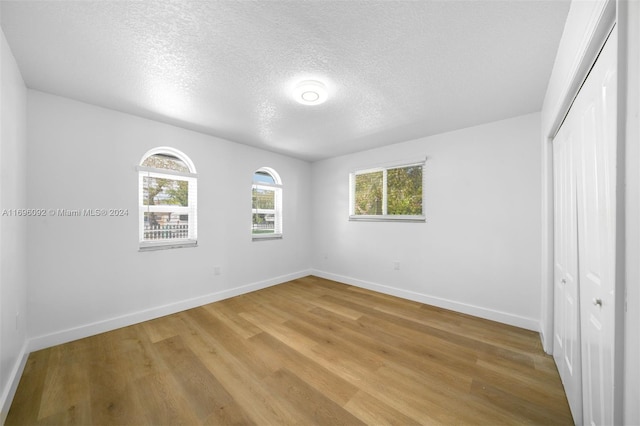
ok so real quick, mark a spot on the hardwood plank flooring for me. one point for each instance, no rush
(309, 351)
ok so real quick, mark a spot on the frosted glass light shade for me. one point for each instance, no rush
(310, 92)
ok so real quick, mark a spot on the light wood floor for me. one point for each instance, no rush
(309, 351)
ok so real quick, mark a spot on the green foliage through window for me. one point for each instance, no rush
(168, 199)
(266, 203)
(161, 191)
(369, 193)
(263, 199)
(404, 191)
(388, 192)
(165, 161)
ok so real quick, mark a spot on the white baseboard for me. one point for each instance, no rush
(12, 384)
(86, 330)
(546, 346)
(477, 311)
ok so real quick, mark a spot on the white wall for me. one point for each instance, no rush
(631, 28)
(88, 275)
(13, 259)
(478, 252)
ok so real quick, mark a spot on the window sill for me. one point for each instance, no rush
(263, 237)
(387, 218)
(167, 245)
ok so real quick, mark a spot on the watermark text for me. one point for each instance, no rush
(64, 212)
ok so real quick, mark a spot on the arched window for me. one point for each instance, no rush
(167, 193)
(266, 199)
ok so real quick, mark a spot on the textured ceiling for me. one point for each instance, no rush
(396, 70)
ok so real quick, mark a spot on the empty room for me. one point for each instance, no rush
(320, 212)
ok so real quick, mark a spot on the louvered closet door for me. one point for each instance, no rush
(566, 349)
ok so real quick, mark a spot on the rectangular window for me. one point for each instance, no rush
(388, 193)
(168, 209)
(162, 191)
(265, 211)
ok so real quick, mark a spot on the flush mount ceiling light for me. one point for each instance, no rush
(310, 92)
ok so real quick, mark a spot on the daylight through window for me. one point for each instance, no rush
(167, 200)
(266, 204)
(392, 193)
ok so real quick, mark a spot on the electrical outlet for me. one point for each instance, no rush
(396, 266)
(217, 270)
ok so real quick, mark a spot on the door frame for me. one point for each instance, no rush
(601, 20)
(595, 20)
(629, 25)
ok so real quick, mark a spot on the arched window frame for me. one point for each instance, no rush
(276, 188)
(147, 239)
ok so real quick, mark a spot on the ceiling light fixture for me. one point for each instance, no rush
(310, 92)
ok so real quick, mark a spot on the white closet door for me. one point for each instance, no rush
(595, 110)
(566, 349)
(585, 200)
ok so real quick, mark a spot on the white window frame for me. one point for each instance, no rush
(384, 217)
(191, 209)
(277, 211)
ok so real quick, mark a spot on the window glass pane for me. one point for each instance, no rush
(263, 223)
(263, 177)
(164, 161)
(263, 199)
(404, 191)
(266, 203)
(159, 191)
(368, 194)
(165, 226)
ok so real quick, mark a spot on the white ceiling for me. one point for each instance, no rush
(396, 70)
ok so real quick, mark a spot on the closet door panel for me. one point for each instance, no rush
(566, 291)
(585, 229)
(596, 226)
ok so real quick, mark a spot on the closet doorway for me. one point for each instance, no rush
(584, 154)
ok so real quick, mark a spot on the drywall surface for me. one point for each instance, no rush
(86, 273)
(631, 415)
(13, 255)
(479, 250)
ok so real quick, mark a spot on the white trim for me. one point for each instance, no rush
(384, 217)
(601, 18)
(191, 210)
(91, 329)
(629, 32)
(266, 186)
(597, 26)
(277, 189)
(387, 218)
(477, 311)
(273, 174)
(263, 237)
(9, 392)
(154, 172)
(383, 168)
(166, 244)
(413, 161)
(593, 20)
